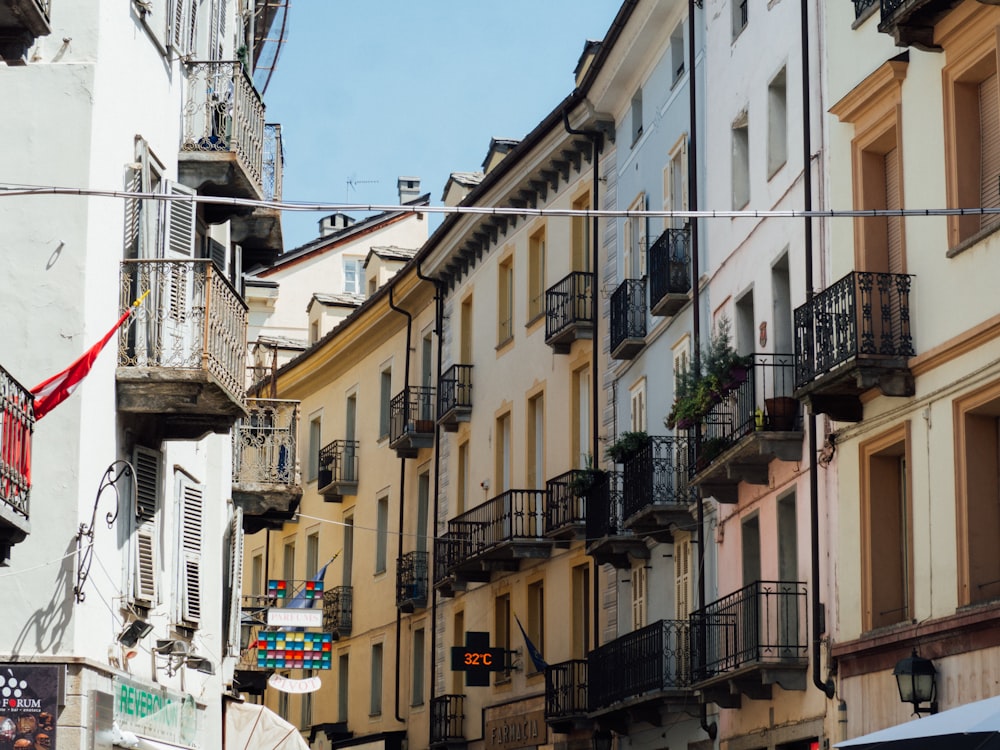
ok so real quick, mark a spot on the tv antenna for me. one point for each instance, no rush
(352, 184)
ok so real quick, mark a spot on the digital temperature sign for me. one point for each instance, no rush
(477, 659)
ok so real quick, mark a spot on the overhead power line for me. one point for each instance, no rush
(10, 191)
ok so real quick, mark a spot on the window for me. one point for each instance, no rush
(381, 534)
(580, 235)
(886, 530)
(458, 638)
(385, 400)
(314, 332)
(283, 705)
(535, 468)
(465, 346)
(145, 559)
(788, 539)
(353, 275)
(682, 575)
(637, 409)
(675, 180)
(750, 548)
(502, 447)
(190, 502)
(501, 629)
(375, 701)
(977, 455)
(183, 26)
(343, 685)
(288, 560)
(348, 553)
(580, 615)
(462, 488)
(636, 116)
(536, 621)
(740, 16)
(634, 257)
(417, 688)
(257, 575)
(536, 275)
(681, 352)
(677, 57)
(315, 438)
(142, 216)
(307, 704)
(505, 301)
(777, 124)
(741, 162)
(873, 107)
(423, 509)
(312, 555)
(972, 126)
(639, 595)
(580, 430)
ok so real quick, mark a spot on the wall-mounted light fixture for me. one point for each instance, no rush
(915, 678)
(134, 632)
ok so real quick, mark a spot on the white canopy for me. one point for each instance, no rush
(973, 725)
(253, 727)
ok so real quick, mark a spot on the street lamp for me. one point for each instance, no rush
(915, 680)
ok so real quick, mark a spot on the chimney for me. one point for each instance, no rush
(334, 223)
(409, 189)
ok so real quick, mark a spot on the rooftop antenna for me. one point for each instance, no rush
(352, 183)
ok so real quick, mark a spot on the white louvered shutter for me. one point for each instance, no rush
(183, 23)
(191, 508)
(133, 231)
(894, 224)
(989, 130)
(682, 576)
(638, 596)
(147, 493)
(235, 580)
(179, 223)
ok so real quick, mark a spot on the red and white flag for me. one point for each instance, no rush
(52, 392)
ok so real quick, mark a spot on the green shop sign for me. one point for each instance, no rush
(157, 713)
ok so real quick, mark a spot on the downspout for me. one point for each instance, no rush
(826, 686)
(402, 488)
(597, 142)
(711, 728)
(439, 332)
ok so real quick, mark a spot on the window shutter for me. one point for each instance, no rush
(133, 184)
(190, 551)
(638, 596)
(989, 129)
(682, 576)
(147, 490)
(178, 226)
(183, 21)
(235, 580)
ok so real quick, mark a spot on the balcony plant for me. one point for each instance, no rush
(627, 445)
(722, 371)
(584, 479)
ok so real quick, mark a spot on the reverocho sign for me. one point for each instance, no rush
(29, 697)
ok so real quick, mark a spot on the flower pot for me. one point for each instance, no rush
(782, 412)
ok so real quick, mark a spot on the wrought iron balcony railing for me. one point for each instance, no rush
(338, 610)
(669, 271)
(860, 6)
(411, 581)
(565, 690)
(264, 443)
(605, 516)
(15, 444)
(512, 516)
(273, 163)
(657, 475)
(566, 509)
(338, 468)
(449, 550)
(762, 623)
(628, 318)
(569, 310)
(455, 396)
(193, 320)
(447, 719)
(224, 113)
(862, 316)
(653, 659)
(411, 418)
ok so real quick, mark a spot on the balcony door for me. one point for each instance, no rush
(788, 574)
(350, 431)
(178, 290)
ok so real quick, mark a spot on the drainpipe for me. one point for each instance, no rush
(826, 686)
(439, 332)
(711, 728)
(596, 141)
(402, 488)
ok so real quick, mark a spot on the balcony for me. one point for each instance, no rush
(911, 22)
(670, 271)
(222, 146)
(566, 509)
(337, 473)
(566, 696)
(450, 549)
(860, 6)
(851, 337)
(628, 319)
(411, 421)
(265, 479)
(608, 540)
(21, 22)
(259, 232)
(15, 463)
(746, 642)
(248, 676)
(498, 534)
(455, 397)
(754, 422)
(181, 361)
(411, 581)
(569, 311)
(642, 676)
(448, 722)
(656, 495)
(338, 610)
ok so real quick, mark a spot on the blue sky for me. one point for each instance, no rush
(371, 90)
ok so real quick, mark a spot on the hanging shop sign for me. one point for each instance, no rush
(156, 713)
(29, 703)
(286, 685)
(294, 618)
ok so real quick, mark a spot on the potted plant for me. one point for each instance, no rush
(627, 444)
(583, 479)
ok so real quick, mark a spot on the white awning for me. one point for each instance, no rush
(253, 727)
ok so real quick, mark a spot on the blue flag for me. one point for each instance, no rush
(300, 601)
(533, 652)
